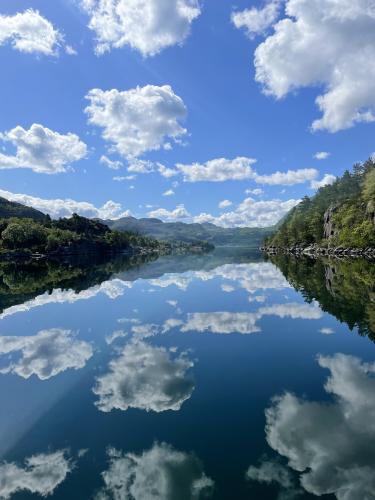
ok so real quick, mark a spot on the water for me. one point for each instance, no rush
(217, 376)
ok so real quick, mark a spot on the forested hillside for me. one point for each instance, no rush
(339, 215)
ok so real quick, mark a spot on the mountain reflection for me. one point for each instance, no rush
(331, 445)
(343, 288)
(159, 473)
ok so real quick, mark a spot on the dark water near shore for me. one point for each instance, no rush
(222, 376)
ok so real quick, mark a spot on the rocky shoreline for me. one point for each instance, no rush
(318, 251)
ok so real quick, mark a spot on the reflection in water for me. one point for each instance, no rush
(272, 472)
(344, 288)
(40, 475)
(45, 354)
(145, 377)
(332, 445)
(161, 473)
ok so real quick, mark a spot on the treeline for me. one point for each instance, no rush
(67, 235)
(349, 205)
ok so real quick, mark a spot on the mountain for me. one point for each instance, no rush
(12, 209)
(180, 231)
(341, 215)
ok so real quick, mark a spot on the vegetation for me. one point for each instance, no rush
(341, 214)
(74, 235)
(192, 233)
(343, 288)
(12, 209)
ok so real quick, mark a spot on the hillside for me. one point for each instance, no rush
(340, 215)
(189, 233)
(12, 209)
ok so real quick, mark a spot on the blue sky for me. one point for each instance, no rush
(212, 108)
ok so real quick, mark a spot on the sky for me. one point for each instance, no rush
(223, 111)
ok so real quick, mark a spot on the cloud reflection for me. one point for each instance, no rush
(332, 445)
(147, 378)
(161, 473)
(45, 354)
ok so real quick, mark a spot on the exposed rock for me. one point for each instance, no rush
(329, 229)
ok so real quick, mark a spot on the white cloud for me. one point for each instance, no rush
(147, 26)
(330, 444)
(161, 473)
(41, 149)
(45, 354)
(272, 472)
(65, 207)
(327, 331)
(147, 378)
(31, 33)
(322, 155)
(225, 204)
(137, 120)
(245, 323)
(122, 178)
(112, 289)
(166, 172)
(169, 192)
(251, 213)
(218, 170)
(255, 192)
(112, 164)
(179, 213)
(222, 322)
(324, 43)
(289, 178)
(256, 21)
(40, 475)
(325, 181)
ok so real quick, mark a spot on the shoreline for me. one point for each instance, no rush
(317, 251)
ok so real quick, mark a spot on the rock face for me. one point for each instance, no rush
(329, 229)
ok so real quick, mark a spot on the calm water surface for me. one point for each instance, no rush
(218, 376)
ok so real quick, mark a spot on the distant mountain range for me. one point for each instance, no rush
(162, 231)
(172, 231)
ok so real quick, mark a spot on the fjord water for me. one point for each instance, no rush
(227, 375)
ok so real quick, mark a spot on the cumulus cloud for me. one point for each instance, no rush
(45, 354)
(169, 192)
(327, 44)
(161, 473)
(147, 378)
(222, 322)
(31, 33)
(147, 26)
(137, 120)
(179, 213)
(256, 21)
(218, 170)
(112, 289)
(225, 204)
(66, 207)
(322, 155)
(325, 181)
(330, 444)
(251, 213)
(112, 164)
(269, 472)
(245, 322)
(41, 149)
(289, 178)
(255, 192)
(40, 475)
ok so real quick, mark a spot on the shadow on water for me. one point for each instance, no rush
(343, 288)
